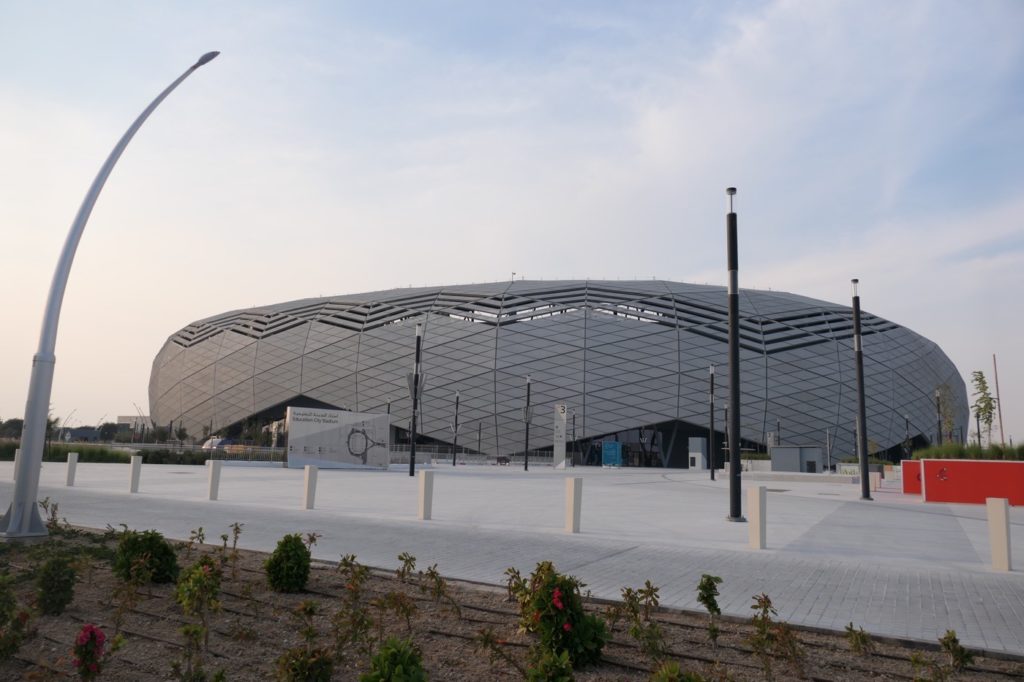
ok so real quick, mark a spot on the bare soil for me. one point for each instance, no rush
(255, 625)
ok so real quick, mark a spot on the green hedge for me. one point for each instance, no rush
(98, 453)
(957, 451)
(58, 452)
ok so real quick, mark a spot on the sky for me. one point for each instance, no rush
(342, 147)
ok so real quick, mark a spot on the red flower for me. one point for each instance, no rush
(556, 599)
(566, 627)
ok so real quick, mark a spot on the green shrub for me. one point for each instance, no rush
(288, 567)
(55, 585)
(398, 660)
(551, 606)
(13, 621)
(957, 451)
(149, 549)
(550, 667)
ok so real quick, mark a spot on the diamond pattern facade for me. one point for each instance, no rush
(621, 355)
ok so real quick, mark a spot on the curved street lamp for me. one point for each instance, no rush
(22, 518)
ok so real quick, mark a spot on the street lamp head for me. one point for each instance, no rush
(419, 330)
(712, 370)
(731, 191)
(527, 379)
(208, 57)
(854, 282)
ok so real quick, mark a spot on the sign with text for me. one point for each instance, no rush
(611, 454)
(335, 439)
(558, 459)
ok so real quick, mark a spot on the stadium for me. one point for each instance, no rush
(630, 360)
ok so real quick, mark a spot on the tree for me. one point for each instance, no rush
(11, 428)
(984, 404)
(946, 414)
(108, 430)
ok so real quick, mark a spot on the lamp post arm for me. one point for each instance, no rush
(48, 335)
(22, 517)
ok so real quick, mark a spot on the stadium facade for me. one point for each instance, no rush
(630, 360)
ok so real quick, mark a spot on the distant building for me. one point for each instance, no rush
(630, 360)
(131, 422)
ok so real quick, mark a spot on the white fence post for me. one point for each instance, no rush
(214, 465)
(998, 510)
(17, 462)
(573, 504)
(757, 509)
(309, 496)
(72, 465)
(426, 494)
(136, 472)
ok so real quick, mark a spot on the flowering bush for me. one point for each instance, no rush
(91, 652)
(551, 606)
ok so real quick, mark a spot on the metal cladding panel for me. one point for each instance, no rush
(621, 355)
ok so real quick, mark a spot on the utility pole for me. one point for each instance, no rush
(415, 388)
(455, 429)
(527, 415)
(711, 420)
(999, 402)
(735, 509)
(862, 427)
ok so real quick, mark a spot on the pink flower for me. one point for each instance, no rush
(566, 627)
(93, 667)
(75, 662)
(556, 599)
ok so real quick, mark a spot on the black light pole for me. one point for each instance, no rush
(938, 416)
(479, 435)
(415, 389)
(735, 511)
(862, 426)
(527, 413)
(711, 421)
(455, 429)
(977, 422)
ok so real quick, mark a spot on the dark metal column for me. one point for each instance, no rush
(735, 509)
(711, 421)
(455, 429)
(862, 426)
(415, 390)
(938, 416)
(527, 413)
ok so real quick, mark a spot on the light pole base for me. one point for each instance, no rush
(11, 525)
(736, 519)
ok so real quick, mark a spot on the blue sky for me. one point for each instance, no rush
(345, 147)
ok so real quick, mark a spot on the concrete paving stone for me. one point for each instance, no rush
(906, 568)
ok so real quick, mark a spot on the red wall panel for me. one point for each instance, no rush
(911, 477)
(971, 481)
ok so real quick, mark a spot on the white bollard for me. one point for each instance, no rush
(214, 466)
(426, 494)
(757, 509)
(998, 510)
(17, 462)
(72, 465)
(309, 496)
(573, 504)
(136, 469)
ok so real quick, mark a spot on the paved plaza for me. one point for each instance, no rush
(895, 566)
